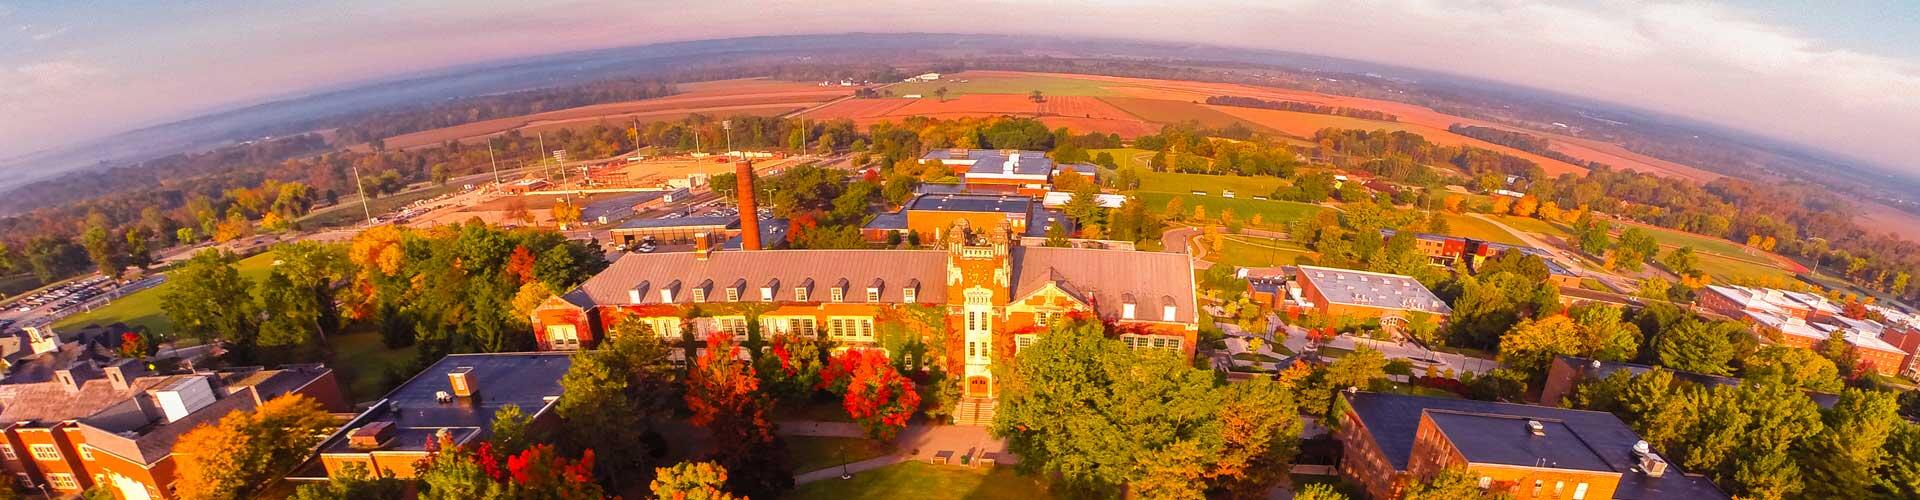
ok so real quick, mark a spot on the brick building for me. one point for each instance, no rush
(1447, 250)
(114, 427)
(458, 396)
(1809, 321)
(931, 215)
(1006, 171)
(975, 303)
(1362, 295)
(1525, 451)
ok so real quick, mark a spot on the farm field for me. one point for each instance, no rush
(912, 480)
(142, 308)
(1213, 185)
(1467, 226)
(1168, 111)
(1254, 251)
(854, 109)
(1273, 214)
(1306, 124)
(620, 120)
(1006, 82)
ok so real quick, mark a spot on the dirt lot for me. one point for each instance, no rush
(1078, 113)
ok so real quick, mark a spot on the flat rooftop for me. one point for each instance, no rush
(1506, 440)
(956, 202)
(1362, 288)
(530, 380)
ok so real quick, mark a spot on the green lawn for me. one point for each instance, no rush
(1125, 157)
(915, 480)
(1254, 251)
(1273, 214)
(142, 308)
(1011, 84)
(1249, 356)
(1214, 185)
(811, 453)
(1724, 268)
(1468, 226)
(1331, 352)
(363, 362)
(1532, 225)
(1700, 242)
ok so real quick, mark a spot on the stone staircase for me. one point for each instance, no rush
(975, 411)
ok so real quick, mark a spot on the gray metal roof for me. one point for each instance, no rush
(1362, 288)
(709, 220)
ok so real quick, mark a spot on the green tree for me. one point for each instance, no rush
(1531, 346)
(1682, 261)
(511, 433)
(1796, 367)
(1591, 233)
(206, 298)
(103, 250)
(1699, 346)
(1318, 491)
(691, 481)
(614, 395)
(1840, 461)
(1056, 235)
(1448, 484)
(1898, 475)
(290, 318)
(353, 482)
(1084, 206)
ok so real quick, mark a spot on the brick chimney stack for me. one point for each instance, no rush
(749, 211)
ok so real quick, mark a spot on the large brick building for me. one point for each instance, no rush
(974, 303)
(1007, 171)
(114, 427)
(1809, 321)
(931, 215)
(1354, 294)
(1525, 451)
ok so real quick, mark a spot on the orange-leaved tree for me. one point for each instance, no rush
(247, 449)
(873, 393)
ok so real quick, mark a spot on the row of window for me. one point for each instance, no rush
(1151, 342)
(45, 452)
(1579, 490)
(834, 294)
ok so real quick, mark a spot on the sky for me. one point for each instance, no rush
(1843, 76)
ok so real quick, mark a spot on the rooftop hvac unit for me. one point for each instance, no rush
(1536, 428)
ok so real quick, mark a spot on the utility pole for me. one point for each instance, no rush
(495, 162)
(543, 158)
(363, 195)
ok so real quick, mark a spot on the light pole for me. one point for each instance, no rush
(495, 162)
(368, 210)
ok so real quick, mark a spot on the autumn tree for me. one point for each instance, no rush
(1794, 366)
(1841, 460)
(874, 394)
(353, 481)
(691, 481)
(723, 395)
(1448, 484)
(246, 450)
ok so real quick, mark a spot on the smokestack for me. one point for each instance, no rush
(749, 212)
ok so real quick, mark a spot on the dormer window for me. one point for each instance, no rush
(1127, 306)
(909, 295)
(873, 290)
(699, 294)
(837, 295)
(733, 294)
(1167, 311)
(799, 294)
(666, 292)
(767, 291)
(637, 293)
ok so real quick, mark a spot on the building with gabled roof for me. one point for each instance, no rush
(993, 297)
(1349, 293)
(1007, 171)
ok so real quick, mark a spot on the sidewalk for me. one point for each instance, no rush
(1296, 341)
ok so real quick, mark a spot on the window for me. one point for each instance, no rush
(856, 329)
(1558, 486)
(699, 294)
(1486, 482)
(873, 295)
(800, 294)
(1044, 318)
(910, 294)
(7, 449)
(734, 325)
(1537, 484)
(665, 327)
(838, 294)
(1151, 342)
(86, 453)
(1580, 491)
(45, 452)
(62, 481)
(733, 294)
(806, 327)
(1023, 341)
(563, 337)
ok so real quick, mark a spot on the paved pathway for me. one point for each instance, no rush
(1296, 341)
(916, 442)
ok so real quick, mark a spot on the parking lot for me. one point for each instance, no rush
(50, 305)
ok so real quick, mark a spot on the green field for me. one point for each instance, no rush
(1125, 157)
(1700, 243)
(1213, 185)
(1723, 268)
(1013, 84)
(917, 480)
(1273, 214)
(142, 308)
(1533, 225)
(1253, 251)
(811, 453)
(1468, 226)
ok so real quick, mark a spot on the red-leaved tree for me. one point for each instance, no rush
(874, 394)
(723, 394)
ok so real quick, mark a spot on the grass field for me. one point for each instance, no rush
(1700, 243)
(1468, 226)
(1170, 111)
(1253, 251)
(142, 308)
(811, 453)
(1126, 157)
(1533, 225)
(1723, 268)
(1004, 84)
(918, 480)
(1273, 214)
(1213, 185)
(364, 361)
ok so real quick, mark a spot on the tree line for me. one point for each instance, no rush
(1302, 107)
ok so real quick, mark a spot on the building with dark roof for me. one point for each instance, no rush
(456, 397)
(724, 229)
(1008, 171)
(995, 296)
(113, 427)
(930, 215)
(1446, 250)
(1526, 451)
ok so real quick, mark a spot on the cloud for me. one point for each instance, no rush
(50, 34)
(53, 75)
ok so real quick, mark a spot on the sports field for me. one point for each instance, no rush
(142, 308)
(1273, 214)
(1467, 226)
(1533, 225)
(1254, 251)
(1213, 185)
(1126, 157)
